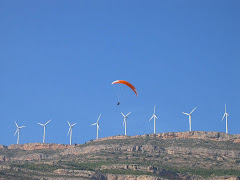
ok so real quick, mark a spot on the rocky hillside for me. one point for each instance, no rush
(182, 155)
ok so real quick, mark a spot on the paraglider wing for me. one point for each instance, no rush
(127, 84)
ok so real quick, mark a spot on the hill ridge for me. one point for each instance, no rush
(214, 136)
(171, 155)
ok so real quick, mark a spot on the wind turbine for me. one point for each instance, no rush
(190, 115)
(44, 129)
(125, 122)
(226, 115)
(96, 123)
(154, 118)
(18, 131)
(70, 131)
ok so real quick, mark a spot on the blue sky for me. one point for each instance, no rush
(58, 59)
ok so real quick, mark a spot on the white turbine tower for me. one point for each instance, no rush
(190, 115)
(44, 129)
(125, 122)
(96, 123)
(18, 131)
(226, 115)
(70, 131)
(154, 118)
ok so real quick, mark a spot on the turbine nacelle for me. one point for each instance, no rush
(18, 131)
(18, 128)
(125, 121)
(125, 117)
(45, 123)
(97, 123)
(153, 116)
(225, 114)
(44, 129)
(70, 131)
(186, 113)
(71, 126)
(189, 114)
(21, 127)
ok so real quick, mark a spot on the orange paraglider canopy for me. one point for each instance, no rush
(126, 83)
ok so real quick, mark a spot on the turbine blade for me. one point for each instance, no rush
(155, 116)
(223, 116)
(93, 124)
(154, 109)
(193, 110)
(16, 123)
(41, 124)
(16, 131)
(48, 122)
(123, 114)
(99, 117)
(225, 108)
(128, 114)
(151, 118)
(21, 127)
(69, 130)
(186, 113)
(69, 123)
(74, 124)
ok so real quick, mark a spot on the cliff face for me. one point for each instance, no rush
(181, 155)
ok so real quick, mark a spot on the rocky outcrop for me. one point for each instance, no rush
(28, 157)
(146, 169)
(131, 177)
(204, 152)
(80, 173)
(214, 136)
(99, 176)
(83, 150)
(3, 158)
(152, 149)
(35, 146)
(3, 147)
